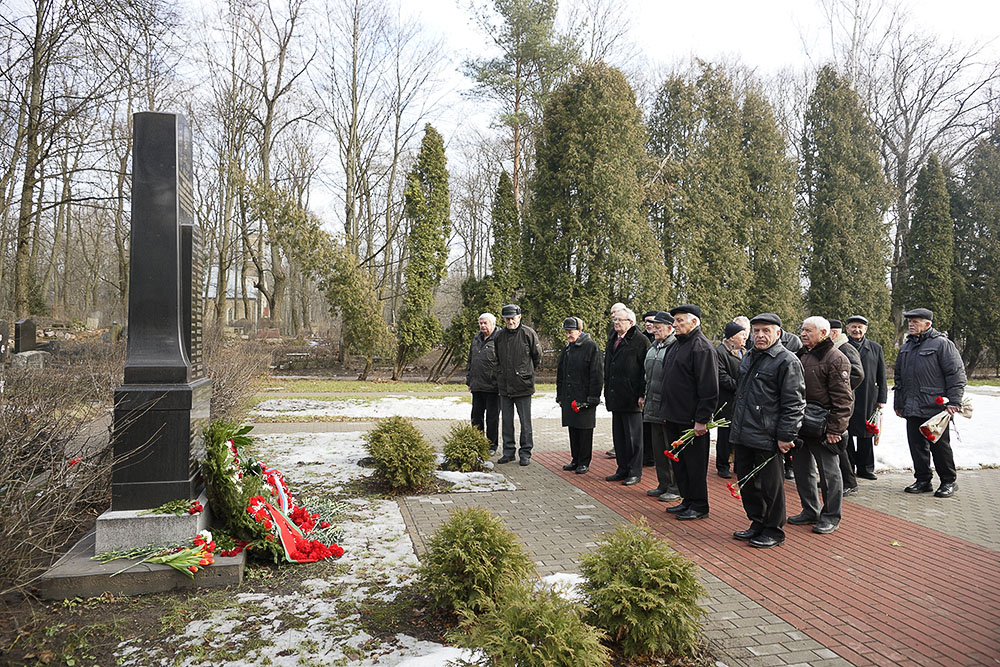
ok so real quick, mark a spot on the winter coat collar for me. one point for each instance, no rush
(666, 341)
(819, 350)
(927, 335)
(584, 337)
(770, 351)
(689, 335)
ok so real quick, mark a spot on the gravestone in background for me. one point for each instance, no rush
(24, 336)
(163, 405)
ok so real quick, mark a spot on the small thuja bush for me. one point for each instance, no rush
(403, 458)
(471, 560)
(532, 629)
(465, 448)
(644, 594)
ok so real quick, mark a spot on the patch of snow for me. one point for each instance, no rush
(567, 585)
(468, 482)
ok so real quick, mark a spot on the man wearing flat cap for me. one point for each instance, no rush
(690, 391)
(663, 337)
(928, 366)
(868, 396)
(728, 354)
(840, 341)
(579, 379)
(519, 353)
(624, 385)
(767, 411)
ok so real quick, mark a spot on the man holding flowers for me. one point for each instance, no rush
(767, 410)
(869, 399)
(929, 373)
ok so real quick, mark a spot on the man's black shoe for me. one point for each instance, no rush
(765, 542)
(746, 535)
(677, 509)
(824, 527)
(569, 466)
(789, 474)
(610, 454)
(867, 475)
(919, 487)
(850, 491)
(631, 481)
(946, 490)
(725, 474)
(581, 469)
(505, 459)
(523, 461)
(669, 497)
(655, 493)
(617, 477)
(802, 519)
(691, 515)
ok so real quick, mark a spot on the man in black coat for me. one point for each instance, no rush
(690, 393)
(767, 411)
(857, 378)
(579, 378)
(519, 353)
(481, 379)
(624, 385)
(728, 354)
(868, 396)
(928, 366)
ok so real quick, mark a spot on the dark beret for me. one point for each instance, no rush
(662, 317)
(510, 310)
(686, 308)
(922, 313)
(766, 318)
(649, 313)
(836, 324)
(857, 318)
(573, 323)
(732, 328)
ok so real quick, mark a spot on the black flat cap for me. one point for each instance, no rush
(836, 324)
(687, 308)
(857, 318)
(510, 310)
(649, 313)
(662, 317)
(571, 323)
(731, 330)
(766, 318)
(922, 313)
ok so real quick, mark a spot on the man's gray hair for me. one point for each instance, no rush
(489, 317)
(743, 321)
(628, 314)
(616, 307)
(820, 323)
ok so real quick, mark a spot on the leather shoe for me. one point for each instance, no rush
(746, 535)
(725, 474)
(669, 497)
(610, 454)
(505, 459)
(802, 519)
(789, 474)
(691, 515)
(655, 493)
(631, 481)
(617, 477)
(569, 466)
(523, 461)
(581, 469)
(867, 475)
(765, 542)
(824, 527)
(919, 487)
(677, 509)
(946, 490)
(850, 491)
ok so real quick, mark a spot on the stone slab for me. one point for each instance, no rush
(126, 529)
(37, 359)
(76, 575)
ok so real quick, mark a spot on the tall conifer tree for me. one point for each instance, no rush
(931, 247)
(844, 199)
(505, 253)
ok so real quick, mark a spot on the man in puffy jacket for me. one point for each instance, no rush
(767, 410)
(519, 353)
(663, 337)
(481, 379)
(928, 366)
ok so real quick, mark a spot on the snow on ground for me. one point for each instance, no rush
(466, 482)
(543, 406)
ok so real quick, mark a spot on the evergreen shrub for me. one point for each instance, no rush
(644, 594)
(403, 458)
(470, 560)
(532, 629)
(465, 448)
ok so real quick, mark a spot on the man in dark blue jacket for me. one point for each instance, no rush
(767, 412)
(481, 379)
(928, 366)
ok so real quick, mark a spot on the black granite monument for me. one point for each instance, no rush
(24, 336)
(164, 403)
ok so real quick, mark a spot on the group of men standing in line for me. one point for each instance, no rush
(809, 398)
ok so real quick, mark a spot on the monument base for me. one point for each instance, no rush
(118, 530)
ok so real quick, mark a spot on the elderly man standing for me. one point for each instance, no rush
(481, 379)
(690, 392)
(612, 335)
(519, 354)
(928, 366)
(579, 378)
(624, 386)
(663, 338)
(828, 384)
(767, 410)
(857, 378)
(868, 396)
(729, 353)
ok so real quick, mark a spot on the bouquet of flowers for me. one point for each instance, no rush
(936, 425)
(576, 407)
(678, 445)
(873, 425)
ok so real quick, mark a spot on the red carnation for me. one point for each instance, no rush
(672, 456)
(676, 443)
(575, 406)
(74, 461)
(193, 568)
(734, 489)
(927, 433)
(940, 400)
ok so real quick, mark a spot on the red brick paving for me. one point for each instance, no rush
(932, 600)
